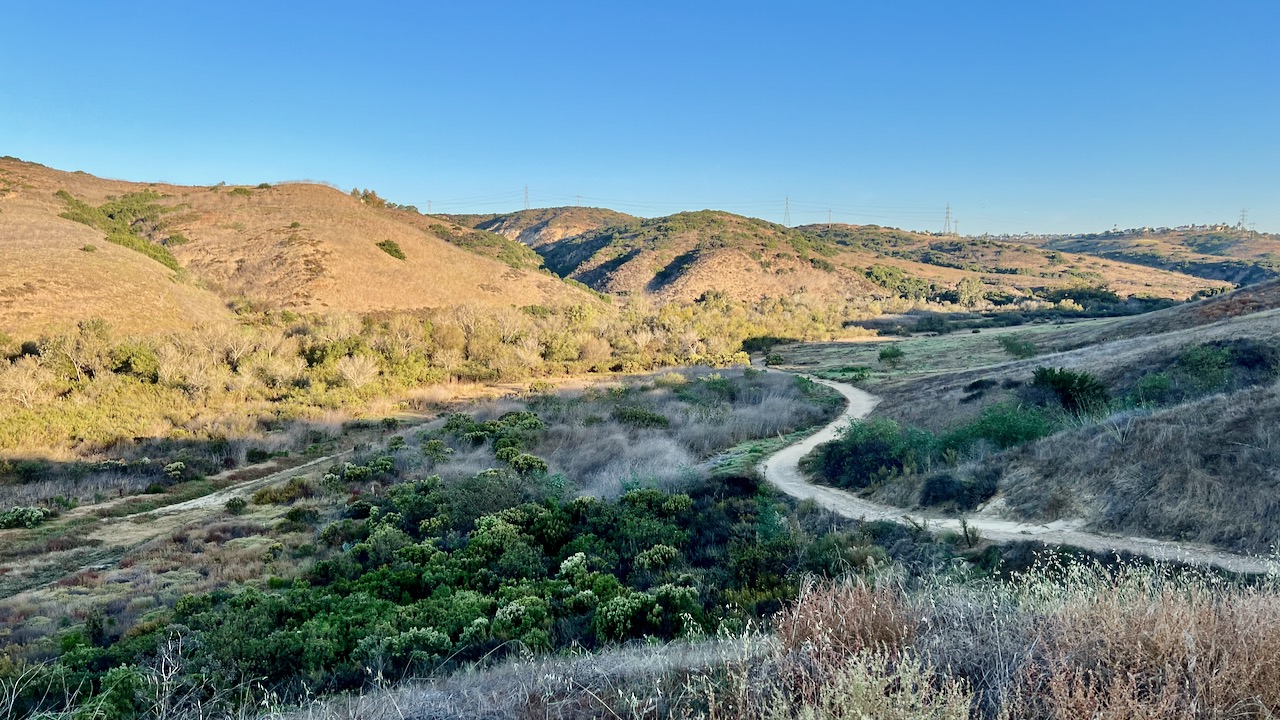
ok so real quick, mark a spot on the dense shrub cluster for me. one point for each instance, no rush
(428, 574)
(90, 387)
(23, 517)
(879, 451)
(132, 221)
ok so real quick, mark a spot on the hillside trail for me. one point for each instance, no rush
(783, 470)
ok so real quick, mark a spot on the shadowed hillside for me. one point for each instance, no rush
(542, 226)
(688, 254)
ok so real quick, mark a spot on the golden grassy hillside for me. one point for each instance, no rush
(54, 271)
(305, 247)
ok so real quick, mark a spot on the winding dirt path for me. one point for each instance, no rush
(783, 470)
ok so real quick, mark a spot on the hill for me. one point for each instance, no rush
(168, 256)
(1212, 252)
(542, 226)
(687, 254)
(1160, 425)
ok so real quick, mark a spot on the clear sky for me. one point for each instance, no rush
(1025, 116)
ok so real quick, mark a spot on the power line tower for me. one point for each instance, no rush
(579, 200)
(828, 219)
(1244, 220)
(786, 213)
(946, 226)
(428, 207)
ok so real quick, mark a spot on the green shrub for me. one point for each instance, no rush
(854, 373)
(121, 219)
(1018, 347)
(891, 355)
(391, 248)
(90, 248)
(1078, 391)
(1004, 426)
(870, 449)
(244, 192)
(236, 505)
(436, 450)
(23, 517)
(640, 417)
(527, 464)
(774, 358)
(1152, 389)
(959, 493)
(295, 489)
(1206, 365)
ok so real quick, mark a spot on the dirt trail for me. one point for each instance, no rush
(783, 470)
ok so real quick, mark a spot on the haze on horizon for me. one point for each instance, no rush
(1023, 117)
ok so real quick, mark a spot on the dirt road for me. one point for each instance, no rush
(783, 470)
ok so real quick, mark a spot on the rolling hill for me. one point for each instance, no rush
(687, 254)
(1216, 253)
(542, 226)
(188, 251)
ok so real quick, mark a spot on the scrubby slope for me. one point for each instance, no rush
(1187, 449)
(1219, 253)
(301, 246)
(54, 270)
(687, 254)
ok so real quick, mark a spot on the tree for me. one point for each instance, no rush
(971, 291)
(357, 370)
(23, 381)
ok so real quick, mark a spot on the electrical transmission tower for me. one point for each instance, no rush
(526, 197)
(428, 207)
(1244, 220)
(579, 200)
(946, 226)
(828, 219)
(786, 213)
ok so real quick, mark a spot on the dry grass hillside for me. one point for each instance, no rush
(53, 269)
(299, 246)
(1218, 253)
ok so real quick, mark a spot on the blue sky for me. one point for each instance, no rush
(1026, 116)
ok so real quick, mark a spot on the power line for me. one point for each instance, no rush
(946, 227)
(526, 197)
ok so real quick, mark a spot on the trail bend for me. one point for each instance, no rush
(782, 469)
